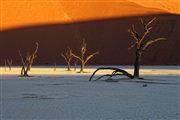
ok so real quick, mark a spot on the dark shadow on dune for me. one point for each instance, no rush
(146, 81)
(55, 84)
(108, 36)
(36, 96)
(47, 97)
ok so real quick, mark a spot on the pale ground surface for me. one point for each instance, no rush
(56, 95)
(62, 70)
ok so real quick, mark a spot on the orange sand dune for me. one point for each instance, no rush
(172, 6)
(17, 13)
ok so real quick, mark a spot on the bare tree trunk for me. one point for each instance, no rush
(9, 65)
(23, 64)
(22, 70)
(137, 64)
(68, 67)
(82, 67)
(55, 66)
(74, 67)
(26, 73)
(75, 64)
(5, 64)
(30, 66)
(27, 69)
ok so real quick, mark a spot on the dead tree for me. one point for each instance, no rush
(116, 72)
(75, 64)
(28, 61)
(5, 65)
(83, 60)
(68, 57)
(55, 66)
(140, 43)
(8, 62)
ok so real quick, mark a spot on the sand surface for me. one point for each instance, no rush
(62, 70)
(59, 95)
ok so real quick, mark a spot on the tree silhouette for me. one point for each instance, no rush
(140, 43)
(68, 57)
(8, 62)
(75, 64)
(82, 58)
(55, 66)
(28, 61)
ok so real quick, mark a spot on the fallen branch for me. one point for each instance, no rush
(109, 76)
(116, 72)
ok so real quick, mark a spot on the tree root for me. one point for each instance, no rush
(116, 72)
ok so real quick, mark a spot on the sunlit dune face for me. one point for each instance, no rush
(18, 13)
(172, 6)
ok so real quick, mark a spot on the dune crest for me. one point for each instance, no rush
(172, 6)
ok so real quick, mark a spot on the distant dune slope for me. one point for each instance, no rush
(19, 13)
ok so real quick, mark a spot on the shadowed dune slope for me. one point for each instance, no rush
(108, 36)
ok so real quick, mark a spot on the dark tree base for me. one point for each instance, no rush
(82, 72)
(25, 76)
